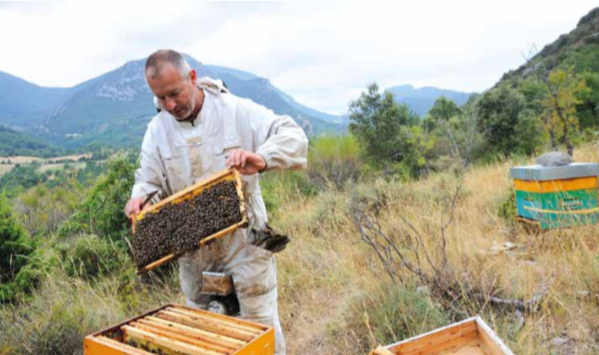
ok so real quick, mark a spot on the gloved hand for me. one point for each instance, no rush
(270, 240)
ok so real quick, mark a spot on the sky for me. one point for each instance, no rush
(322, 54)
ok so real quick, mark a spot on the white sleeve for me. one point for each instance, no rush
(148, 178)
(278, 139)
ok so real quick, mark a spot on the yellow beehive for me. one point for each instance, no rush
(177, 330)
(190, 192)
(469, 337)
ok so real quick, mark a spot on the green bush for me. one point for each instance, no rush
(277, 187)
(90, 257)
(101, 212)
(18, 266)
(508, 209)
(393, 313)
(334, 160)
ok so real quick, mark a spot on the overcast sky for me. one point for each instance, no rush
(323, 55)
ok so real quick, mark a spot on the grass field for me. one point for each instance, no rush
(46, 165)
(327, 274)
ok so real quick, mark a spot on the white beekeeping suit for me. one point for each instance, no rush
(175, 155)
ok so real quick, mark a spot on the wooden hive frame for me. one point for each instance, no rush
(177, 330)
(189, 193)
(448, 340)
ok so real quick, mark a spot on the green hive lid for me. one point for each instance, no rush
(547, 173)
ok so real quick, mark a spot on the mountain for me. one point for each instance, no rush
(113, 109)
(18, 143)
(25, 104)
(422, 99)
(233, 77)
(578, 49)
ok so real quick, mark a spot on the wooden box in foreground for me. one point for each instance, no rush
(177, 330)
(187, 194)
(469, 337)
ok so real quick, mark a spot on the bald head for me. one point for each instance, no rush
(158, 60)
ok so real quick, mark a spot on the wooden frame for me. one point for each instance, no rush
(188, 193)
(449, 340)
(176, 330)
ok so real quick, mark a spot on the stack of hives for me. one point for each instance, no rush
(180, 330)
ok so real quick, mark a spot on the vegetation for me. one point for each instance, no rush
(14, 143)
(16, 252)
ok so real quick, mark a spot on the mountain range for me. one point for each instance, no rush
(422, 99)
(113, 109)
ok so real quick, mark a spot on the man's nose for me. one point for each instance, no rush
(170, 104)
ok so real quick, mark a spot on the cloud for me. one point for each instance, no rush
(323, 54)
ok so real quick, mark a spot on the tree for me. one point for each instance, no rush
(500, 110)
(14, 244)
(588, 109)
(563, 86)
(101, 212)
(377, 122)
(444, 109)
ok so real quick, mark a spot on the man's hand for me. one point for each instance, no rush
(133, 206)
(246, 162)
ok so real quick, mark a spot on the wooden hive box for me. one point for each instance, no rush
(556, 197)
(469, 337)
(187, 194)
(177, 330)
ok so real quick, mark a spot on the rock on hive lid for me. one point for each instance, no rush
(546, 173)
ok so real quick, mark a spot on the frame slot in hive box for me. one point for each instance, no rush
(177, 330)
(469, 337)
(189, 219)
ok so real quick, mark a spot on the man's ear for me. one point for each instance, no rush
(193, 76)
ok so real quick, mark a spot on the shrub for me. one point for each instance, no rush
(53, 327)
(17, 269)
(507, 209)
(101, 212)
(334, 160)
(393, 313)
(90, 257)
(277, 187)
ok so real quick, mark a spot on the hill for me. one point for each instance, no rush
(24, 104)
(113, 109)
(578, 48)
(13, 143)
(422, 99)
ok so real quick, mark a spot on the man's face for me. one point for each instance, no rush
(175, 93)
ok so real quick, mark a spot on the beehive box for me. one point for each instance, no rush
(469, 337)
(555, 197)
(182, 197)
(177, 330)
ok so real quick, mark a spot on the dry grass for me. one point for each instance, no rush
(24, 160)
(327, 268)
(58, 167)
(4, 168)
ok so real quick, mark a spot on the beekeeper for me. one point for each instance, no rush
(202, 129)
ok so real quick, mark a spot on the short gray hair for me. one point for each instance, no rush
(157, 59)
